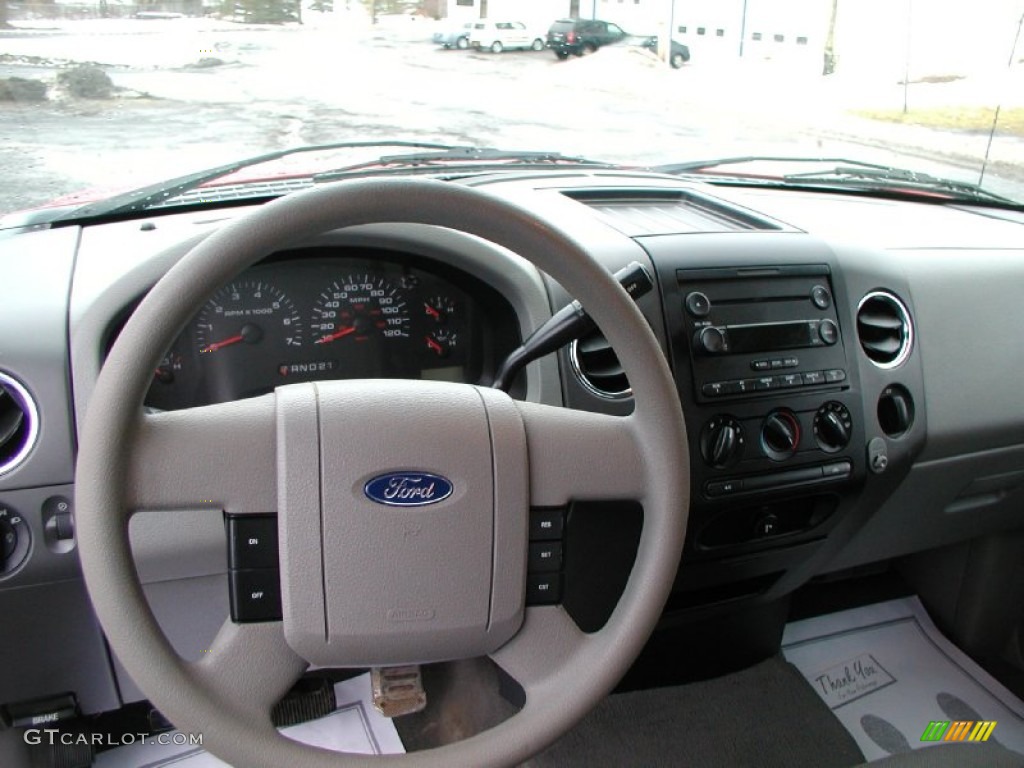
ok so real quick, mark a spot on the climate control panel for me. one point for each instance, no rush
(786, 445)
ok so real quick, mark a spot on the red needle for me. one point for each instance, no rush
(434, 345)
(227, 342)
(336, 335)
(431, 312)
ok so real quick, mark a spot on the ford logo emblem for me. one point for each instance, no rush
(408, 489)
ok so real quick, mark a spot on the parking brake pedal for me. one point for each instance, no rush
(310, 698)
(398, 691)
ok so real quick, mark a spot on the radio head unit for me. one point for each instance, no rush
(748, 333)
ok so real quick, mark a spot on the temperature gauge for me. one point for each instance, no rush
(169, 367)
(439, 309)
(441, 342)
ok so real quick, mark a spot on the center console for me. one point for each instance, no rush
(763, 360)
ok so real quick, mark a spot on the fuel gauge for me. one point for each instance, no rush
(442, 341)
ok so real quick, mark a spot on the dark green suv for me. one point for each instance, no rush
(579, 36)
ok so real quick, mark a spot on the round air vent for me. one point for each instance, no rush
(884, 328)
(598, 368)
(19, 423)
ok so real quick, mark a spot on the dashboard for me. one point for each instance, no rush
(841, 405)
(335, 313)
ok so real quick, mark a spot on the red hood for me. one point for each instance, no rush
(96, 194)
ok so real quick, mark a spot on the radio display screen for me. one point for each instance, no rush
(769, 338)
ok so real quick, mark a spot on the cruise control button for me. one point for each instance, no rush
(836, 374)
(546, 524)
(545, 557)
(253, 541)
(255, 595)
(543, 588)
(814, 377)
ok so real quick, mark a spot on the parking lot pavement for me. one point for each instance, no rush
(618, 104)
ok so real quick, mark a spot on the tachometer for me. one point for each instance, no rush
(360, 308)
(248, 312)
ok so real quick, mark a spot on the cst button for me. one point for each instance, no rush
(543, 588)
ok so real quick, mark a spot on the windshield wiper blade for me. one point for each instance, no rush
(694, 166)
(844, 173)
(154, 194)
(469, 157)
(882, 177)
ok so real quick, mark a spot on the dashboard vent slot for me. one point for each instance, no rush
(19, 423)
(884, 328)
(598, 368)
(667, 212)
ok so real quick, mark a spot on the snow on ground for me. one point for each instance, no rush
(337, 77)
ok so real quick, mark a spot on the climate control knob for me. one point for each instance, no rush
(780, 435)
(833, 426)
(721, 441)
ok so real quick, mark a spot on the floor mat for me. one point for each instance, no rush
(897, 684)
(355, 726)
(763, 717)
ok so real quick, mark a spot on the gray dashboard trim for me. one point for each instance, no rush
(33, 346)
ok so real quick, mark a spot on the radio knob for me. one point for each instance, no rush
(829, 332)
(721, 442)
(780, 435)
(833, 426)
(711, 340)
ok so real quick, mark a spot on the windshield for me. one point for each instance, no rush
(100, 97)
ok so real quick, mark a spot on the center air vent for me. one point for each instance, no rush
(598, 368)
(19, 423)
(884, 327)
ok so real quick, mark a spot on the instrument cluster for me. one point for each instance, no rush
(332, 313)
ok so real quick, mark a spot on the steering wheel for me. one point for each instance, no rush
(356, 589)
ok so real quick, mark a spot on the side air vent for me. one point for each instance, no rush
(884, 328)
(598, 368)
(19, 423)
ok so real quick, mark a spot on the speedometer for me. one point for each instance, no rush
(248, 312)
(360, 308)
